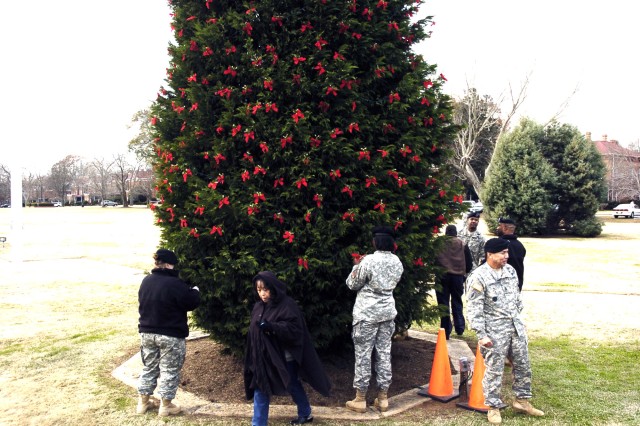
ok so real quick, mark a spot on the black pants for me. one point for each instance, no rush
(450, 293)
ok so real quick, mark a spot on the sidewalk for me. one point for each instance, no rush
(129, 371)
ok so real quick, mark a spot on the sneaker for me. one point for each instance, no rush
(302, 420)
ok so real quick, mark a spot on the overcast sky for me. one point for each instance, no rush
(585, 46)
(76, 71)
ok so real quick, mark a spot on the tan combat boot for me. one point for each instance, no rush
(359, 404)
(494, 417)
(167, 408)
(381, 402)
(145, 402)
(524, 406)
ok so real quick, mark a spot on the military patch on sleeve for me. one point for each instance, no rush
(477, 286)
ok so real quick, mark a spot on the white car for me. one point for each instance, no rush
(57, 204)
(626, 210)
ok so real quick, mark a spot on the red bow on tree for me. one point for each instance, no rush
(297, 116)
(223, 202)
(418, 262)
(301, 182)
(288, 235)
(216, 230)
(349, 215)
(380, 206)
(303, 262)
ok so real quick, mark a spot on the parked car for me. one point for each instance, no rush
(477, 207)
(626, 210)
(57, 204)
(5, 206)
(473, 206)
(108, 203)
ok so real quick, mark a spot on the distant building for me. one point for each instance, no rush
(623, 169)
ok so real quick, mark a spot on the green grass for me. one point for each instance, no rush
(79, 324)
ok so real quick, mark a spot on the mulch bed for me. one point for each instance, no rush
(216, 376)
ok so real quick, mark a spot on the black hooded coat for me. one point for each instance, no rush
(264, 364)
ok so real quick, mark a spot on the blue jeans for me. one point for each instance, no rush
(261, 400)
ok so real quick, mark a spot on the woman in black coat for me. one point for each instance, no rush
(279, 348)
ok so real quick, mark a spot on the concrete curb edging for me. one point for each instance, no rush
(129, 372)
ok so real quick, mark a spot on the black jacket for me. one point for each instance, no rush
(517, 252)
(264, 364)
(164, 300)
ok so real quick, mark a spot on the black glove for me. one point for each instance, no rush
(265, 326)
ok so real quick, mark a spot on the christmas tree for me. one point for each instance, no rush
(288, 130)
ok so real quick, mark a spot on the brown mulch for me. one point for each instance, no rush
(212, 374)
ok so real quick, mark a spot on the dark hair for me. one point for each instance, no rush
(451, 231)
(383, 238)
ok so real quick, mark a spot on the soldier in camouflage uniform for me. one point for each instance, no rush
(164, 300)
(374, 277)
(494, 308)
(473, 239)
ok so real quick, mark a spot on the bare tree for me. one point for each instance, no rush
(5, 183)
(63, 174)
(40, 186)
(122, 177)
(101, 176)
(482, 125)
(29, 187)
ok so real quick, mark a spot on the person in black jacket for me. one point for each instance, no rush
(506, 230)
(164, 300)
(279, 348)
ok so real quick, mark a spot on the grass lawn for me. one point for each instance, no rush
(68, 307)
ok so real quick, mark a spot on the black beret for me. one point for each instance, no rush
(506, 220)
(496, 245)
(473, 214)
(383, 230)
(166, 256)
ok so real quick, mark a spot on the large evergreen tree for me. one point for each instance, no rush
(519, 180)
(548, 178)
(287, 131)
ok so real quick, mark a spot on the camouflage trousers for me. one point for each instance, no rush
(506, 343)
(366, 337)
(163, 358)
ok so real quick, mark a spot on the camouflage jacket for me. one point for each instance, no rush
(475, 241)
(374, 278)
(493, 301)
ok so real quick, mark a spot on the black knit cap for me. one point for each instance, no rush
(496, 245)
(473, 214)
(166, 256)
(506, 220)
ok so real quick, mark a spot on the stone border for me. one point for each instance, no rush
(129, 372)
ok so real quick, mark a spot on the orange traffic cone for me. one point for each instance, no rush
(476, 396)
(441, 383)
